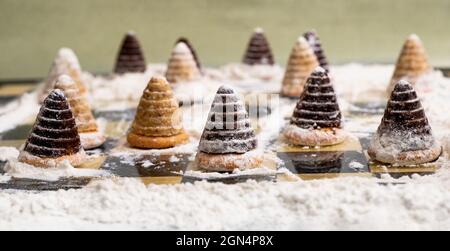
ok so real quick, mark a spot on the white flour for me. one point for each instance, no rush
(7, 153)
(422, 203)
(21, 170)
(338, 204)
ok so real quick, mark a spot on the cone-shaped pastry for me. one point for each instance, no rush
(87, 126)
(228, 139)
(258, 50)
(412, 63)
(54, 137)
(158, 122)
(65, 62)
(301, 64)
(315, 44)
(317, 118)
(130, 58)
(182, 66)
(404, 136)
(191, 48)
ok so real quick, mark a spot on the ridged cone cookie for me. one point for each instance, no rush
(412, 63)
(258, 50)
(158, 121)
(314, 42)
(301, 64)
(54, 137)
(87, 126)
(182, 66)
(193, 51)
(130, 58)
(317, 119)
(404, 136)
(65, 63)
(228, 138)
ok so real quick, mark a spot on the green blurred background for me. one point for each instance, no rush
(351, 30)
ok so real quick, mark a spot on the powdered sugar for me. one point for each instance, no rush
(7, 153)
(340, 204)
(22, 170)
(18, 111)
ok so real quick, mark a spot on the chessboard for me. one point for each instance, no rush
(347, 159)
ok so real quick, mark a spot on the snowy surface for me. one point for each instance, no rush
(421, 203)
(338, 204)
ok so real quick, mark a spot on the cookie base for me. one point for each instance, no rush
(92, 140)
(75, 160)
(316, 137)
(144, 142)
(377, 152)
(228, 162)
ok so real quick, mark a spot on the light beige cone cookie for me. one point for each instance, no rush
(301, 64)
(65, 63)
(182, 66)
(158, 121)
(412, 63)
(87, 126)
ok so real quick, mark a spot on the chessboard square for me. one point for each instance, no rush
(147, 165)
(230, 180)
(18, 133)
(116, 129)
(15, 90)
(351, 144)
(44, 185)
(13, 143)
(325, 162)
(162, 180)
(93, 162)
(380, 169)
(366, 109)
(4, 100)
(319, 176)
(116, 115)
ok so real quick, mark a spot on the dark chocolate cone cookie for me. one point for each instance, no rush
(404, 136)
(228, 140)
(317, 118)
(258, 50)
(130, 58)
(54, 137)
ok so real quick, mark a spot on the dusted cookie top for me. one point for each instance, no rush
(191, 48)
(228, 128)
(54, 133)
(318, 107)
(258, 50)
(405, 124)
(130, 58)
(314, 42)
